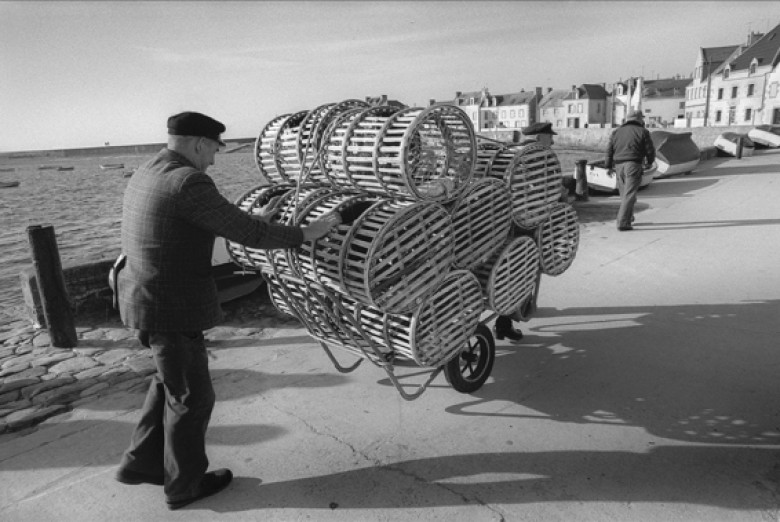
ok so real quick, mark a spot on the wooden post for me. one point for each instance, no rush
(740, 146)
(581, 190)
(51, 286)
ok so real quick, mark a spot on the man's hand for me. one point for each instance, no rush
(267, 212)
(321, 226)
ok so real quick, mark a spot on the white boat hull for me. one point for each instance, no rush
(730, 148)
(599, 179)
(765, 138)
(665, 169)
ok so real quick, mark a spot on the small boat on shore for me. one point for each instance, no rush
(765, 136)
(9, 184)
(675, 153)
(727, 144)
(112, 166)
(48, 167)
(600, 179)
(64, 169)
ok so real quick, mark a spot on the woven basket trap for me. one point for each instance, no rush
(558, 238)
(319, 260)
(534, 179)
(251, 202)
(276, 154)
(509, 278)
(481, 219)
(395, 253)
(350, 150)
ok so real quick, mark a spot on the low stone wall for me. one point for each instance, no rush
(596, 138)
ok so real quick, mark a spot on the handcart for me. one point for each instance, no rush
(333, 323)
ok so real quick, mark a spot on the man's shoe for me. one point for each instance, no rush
(623, 229)
(132, 478)
(211, 483)
(508, 333)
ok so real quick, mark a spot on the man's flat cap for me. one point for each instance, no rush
(195, 124)
(538, 128)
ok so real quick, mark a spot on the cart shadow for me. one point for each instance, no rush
(710, 476)
(698, 373)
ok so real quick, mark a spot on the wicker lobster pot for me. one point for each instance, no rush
(533, 175)
(350, 149)
(310, 136)
(422, 154)
(276, 154)
(319, 260)
(251, 202)
(509, 278)
(395, 253)
(481, 219)
(441, 325)
(558, 238)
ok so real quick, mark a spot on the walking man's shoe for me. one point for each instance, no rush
(623, 229)
(211, 483)
(510, 333)
(132, 478)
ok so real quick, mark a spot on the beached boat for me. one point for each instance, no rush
(9, 184)
(601, 180)
(765, 135)
(63, 169)
(232, 281)
(727, 144)
(112, 166)
(675, 153)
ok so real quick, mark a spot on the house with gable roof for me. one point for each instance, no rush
(697, 94)
(491, 112)
(551, 107)
(585, 105)
(744, 90)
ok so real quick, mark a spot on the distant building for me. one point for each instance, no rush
(744, 90)
(551, 107)
(697, 98)
(495, 112)
(585, 105)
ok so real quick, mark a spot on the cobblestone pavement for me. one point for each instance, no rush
(38, 381)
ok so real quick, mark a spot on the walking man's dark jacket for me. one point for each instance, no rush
(629, 142)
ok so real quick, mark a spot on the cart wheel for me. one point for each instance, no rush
(469, 370)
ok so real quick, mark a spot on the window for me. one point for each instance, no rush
(682, 105)
(471, 101)
(717, 115)
(720, 94)
(557, 123)
(748, 113)
(579, 107)
(773, 90)
(725, 73)
(503, 114)
(750, 89)
(598, 107)
(512, 113)
(752, 68)
(734, 91)
(571, 109)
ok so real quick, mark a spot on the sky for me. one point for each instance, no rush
(79, 74)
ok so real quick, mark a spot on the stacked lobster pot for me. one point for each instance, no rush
(431, 238)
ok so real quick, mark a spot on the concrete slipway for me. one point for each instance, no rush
(646, 389)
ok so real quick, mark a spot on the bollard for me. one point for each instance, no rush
(740, 145)
(581, 189)
(51, 286)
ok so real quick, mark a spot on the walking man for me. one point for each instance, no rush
(629, 147)
(171, 213)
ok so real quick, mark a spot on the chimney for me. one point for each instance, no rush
(538, 92)
(457, 94)
(431, 102)
(549, 89)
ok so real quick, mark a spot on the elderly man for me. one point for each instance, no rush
(171, 213)
(628, 146)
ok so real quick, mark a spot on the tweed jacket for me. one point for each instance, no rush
(171, 215)
(629, 142)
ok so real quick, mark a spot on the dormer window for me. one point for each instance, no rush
(471, 101)
(726, 72)
(753, 66)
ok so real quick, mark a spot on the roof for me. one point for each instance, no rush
(517, 98)
(553, 99)
(765, 51)
(716, 55)
(669, 87)
(589, 91)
